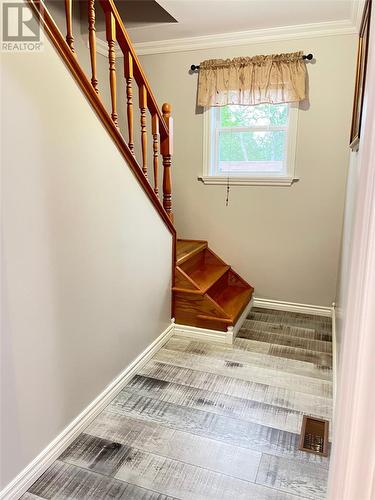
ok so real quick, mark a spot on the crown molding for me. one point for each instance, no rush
(345, 27)
(297, 32)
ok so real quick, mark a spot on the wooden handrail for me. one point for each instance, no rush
(90, 91)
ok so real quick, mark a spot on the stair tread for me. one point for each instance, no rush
(185, 249)
(208, 274)
(233, 299)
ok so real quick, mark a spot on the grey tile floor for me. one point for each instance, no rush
(210, 421)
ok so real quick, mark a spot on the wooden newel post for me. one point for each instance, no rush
(167, 151)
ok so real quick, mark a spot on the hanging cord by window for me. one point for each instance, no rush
(228, 188)
(230, 156)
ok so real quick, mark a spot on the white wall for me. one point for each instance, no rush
(283, 240)
(342, 295)
(353, 453)
(86, 262)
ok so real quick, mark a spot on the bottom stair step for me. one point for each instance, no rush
(207, 293)
(233, 299)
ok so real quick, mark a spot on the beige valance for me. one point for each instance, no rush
(252, 80)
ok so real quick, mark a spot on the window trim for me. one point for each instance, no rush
(285, 179)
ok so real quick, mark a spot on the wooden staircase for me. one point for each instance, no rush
(207, 293)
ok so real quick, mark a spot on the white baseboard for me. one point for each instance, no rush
(35, 469)
(194, 332)
(293, 307)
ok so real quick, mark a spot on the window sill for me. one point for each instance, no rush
(249, 181)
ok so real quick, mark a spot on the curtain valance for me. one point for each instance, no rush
(273, 78)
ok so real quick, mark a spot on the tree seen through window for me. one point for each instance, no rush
(252, 137)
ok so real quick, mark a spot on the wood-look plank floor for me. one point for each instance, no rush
(209, 421)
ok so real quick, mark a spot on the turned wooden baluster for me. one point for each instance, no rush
(143, 107)
(92, 43)
(167, 151)
(128, 72)
(155, 146)
(111, 38)
(69, 24)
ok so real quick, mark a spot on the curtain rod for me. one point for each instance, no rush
(193, 67)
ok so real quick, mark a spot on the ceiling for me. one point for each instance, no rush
(197, 18)
(134, 13)
(143, 13)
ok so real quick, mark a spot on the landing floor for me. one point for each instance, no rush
(210, 421)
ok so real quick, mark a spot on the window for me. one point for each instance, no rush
(250, 144)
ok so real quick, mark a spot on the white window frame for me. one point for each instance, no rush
(285, 178)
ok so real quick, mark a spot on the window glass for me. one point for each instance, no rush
(250, 139)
